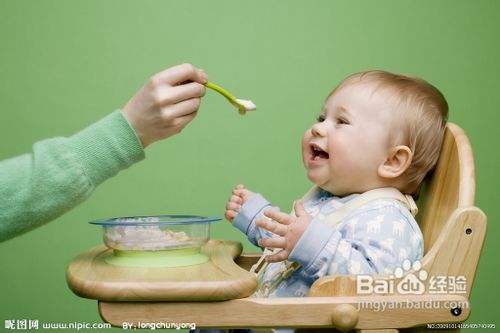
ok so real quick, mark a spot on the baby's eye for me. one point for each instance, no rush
(321, 118)
(342, 121)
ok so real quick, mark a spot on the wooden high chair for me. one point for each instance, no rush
(453, 230)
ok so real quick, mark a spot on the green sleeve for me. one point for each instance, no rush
(60, 173)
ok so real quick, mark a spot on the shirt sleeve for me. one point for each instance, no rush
(374, 241)
(60, 173)
(250, 212)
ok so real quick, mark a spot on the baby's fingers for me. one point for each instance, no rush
(239, 192)
(274, 242)
(236, 199)
(238, 188)
(242, 192)
(272, 226)
(233, 206)
(230, 215)
(280, 256)
(299, 209)
(280, 217)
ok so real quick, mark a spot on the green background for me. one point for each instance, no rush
(66, 64)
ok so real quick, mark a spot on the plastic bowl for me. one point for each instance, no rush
(156, 233)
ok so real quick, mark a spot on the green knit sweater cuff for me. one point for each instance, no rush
(106, 147)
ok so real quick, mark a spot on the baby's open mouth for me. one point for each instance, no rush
(318, 153)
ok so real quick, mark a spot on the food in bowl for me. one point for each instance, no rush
(155, 233)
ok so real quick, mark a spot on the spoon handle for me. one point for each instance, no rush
(230, 97)
(221, 91)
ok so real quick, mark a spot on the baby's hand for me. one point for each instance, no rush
(289, 229)
(166, 104)
(238, 198)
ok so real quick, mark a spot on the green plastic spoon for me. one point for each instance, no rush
(241, 104)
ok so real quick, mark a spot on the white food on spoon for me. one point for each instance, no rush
(249, 105)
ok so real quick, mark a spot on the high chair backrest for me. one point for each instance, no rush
(450, 186)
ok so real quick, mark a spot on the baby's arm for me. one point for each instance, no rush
(372, 242)
(244, 208)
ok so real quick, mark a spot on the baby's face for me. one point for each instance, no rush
(343, 150)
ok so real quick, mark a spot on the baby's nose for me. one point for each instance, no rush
(318, 130)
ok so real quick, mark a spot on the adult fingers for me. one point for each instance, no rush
(181, 122)
(272, 226)
(178, 74)
(181, 109)
(280, 217)
(166, 95)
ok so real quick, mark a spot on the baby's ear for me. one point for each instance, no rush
(398, 160)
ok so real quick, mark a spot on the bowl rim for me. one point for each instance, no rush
(166, 219)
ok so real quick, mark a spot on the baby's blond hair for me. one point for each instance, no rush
(422, 113)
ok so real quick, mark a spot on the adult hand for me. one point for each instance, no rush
(166, 103)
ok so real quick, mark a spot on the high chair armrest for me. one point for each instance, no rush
(345, 313)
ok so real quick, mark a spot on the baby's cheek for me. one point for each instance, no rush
(341, 148)
(349, 156)
(306, 137)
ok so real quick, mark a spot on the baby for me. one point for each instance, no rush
(376, 138)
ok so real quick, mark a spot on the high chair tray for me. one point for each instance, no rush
(220, 278)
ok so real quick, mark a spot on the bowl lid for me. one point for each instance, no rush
(156, 220)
